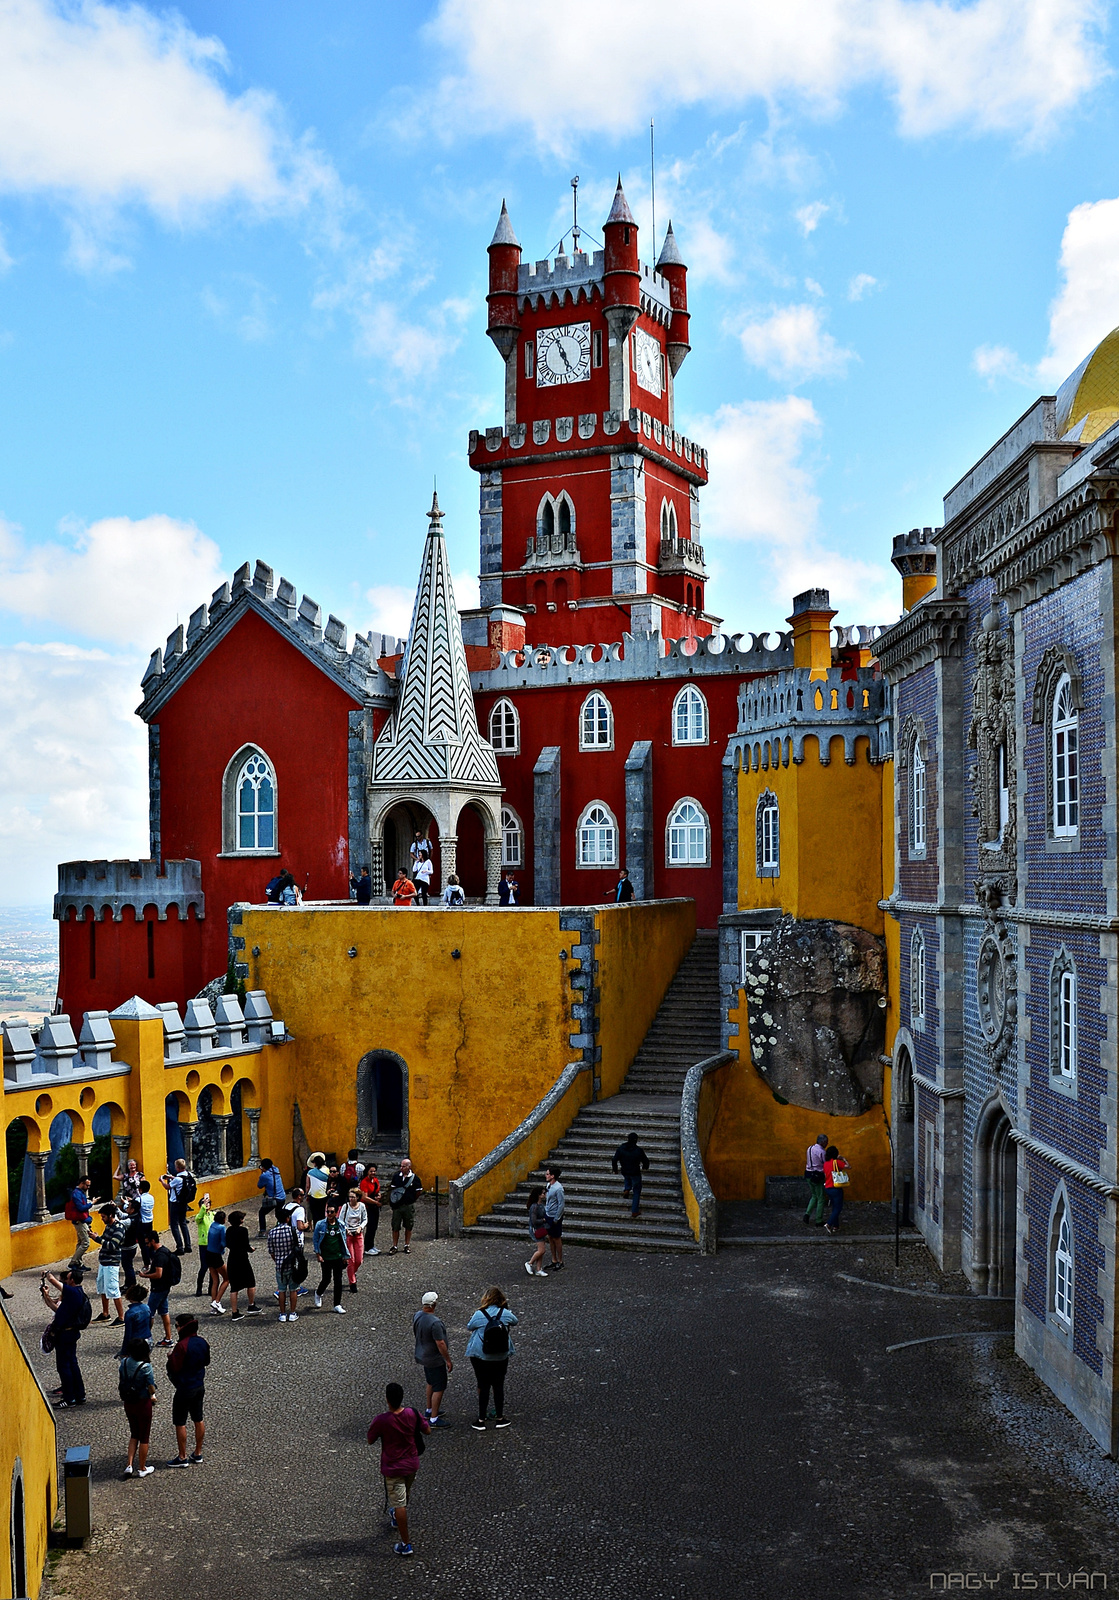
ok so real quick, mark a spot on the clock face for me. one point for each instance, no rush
(648, 356)
(563, 355)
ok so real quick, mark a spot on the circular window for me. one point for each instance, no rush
(991, 985)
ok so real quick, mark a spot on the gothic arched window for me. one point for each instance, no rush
(918, 800)
(564, 518)
(917, 978)
(1061, 1265)
(548, 519)
(597, 837)
(512, 838)
(1065, 757)
(596, 723)
(768, 829)
(689, 717)
(505, 728)
(249, 804)
(1063, 1019)
(689, 836)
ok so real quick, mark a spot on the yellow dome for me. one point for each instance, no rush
(1088, 400)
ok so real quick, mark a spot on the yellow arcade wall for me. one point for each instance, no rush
(27, 1438)
(484, 1034)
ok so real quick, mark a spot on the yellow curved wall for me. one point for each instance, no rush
(26, 1435)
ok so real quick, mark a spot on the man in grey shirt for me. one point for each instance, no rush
(554, 1203)
(433, 1356)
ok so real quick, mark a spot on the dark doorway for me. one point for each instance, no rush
(903, 1130)
(996, 1204)
(388, 1091)
(382, 1101)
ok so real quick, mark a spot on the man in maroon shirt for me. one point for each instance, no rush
(399, 1429)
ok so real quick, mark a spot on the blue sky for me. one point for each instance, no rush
(242, 279)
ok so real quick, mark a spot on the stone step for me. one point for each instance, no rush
(635, 1237)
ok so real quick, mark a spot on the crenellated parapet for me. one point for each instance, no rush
(570, 279)
(561, 438)
(637, 656)
(777, 713)
(103, 886)
(354, 666)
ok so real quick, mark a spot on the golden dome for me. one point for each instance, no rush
(1088, 400)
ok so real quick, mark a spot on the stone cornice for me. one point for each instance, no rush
(932, 629)
(1077, 532)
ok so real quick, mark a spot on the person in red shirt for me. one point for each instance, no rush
(835, 1180)
(370, 1190)
(403, 891)
(399, 1430)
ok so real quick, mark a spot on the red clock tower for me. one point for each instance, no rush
(589, 495)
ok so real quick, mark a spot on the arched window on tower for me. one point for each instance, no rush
(512, 838)
(918, 800)
(564, 518)
(917, 979)
(1061, 1263)
(548, 519)
(689, 835)
(597, 840)
(249, 805)
(596, 723)
(689, 717)
(768, 832)
(1065, 780)
(505, 728)
(1063, 1025)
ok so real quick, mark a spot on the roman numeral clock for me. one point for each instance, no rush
(563, 355)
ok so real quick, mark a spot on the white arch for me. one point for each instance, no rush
(687, 835)
(512, 838)
(596, 722)
(253, 766)
(690, 720)
(505, 727)
(596, 838)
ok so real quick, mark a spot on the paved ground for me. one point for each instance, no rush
(742, 1220)
(682, 1428)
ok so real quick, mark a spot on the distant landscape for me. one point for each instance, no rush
(28, 963)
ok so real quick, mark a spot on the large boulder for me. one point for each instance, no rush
(817, 1021)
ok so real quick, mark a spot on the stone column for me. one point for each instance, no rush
(188, 1130)
(253, 1114)
(448, 855)
(122, 1142)
(223, 1135)
(82, 1151)
(493, 869)
(377, 867)
(42, 1210)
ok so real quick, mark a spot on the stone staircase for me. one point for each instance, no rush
(685, 1029)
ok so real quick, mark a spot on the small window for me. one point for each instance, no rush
(664, 519)
(530, 357)
(596, 348)
(918, 798)
(768, 827)
(505, 728)
(596, 724)
(1004, 793)
(689, 839)
(689, 717)
(598, 837)
(1062, 1275)
(1063, 1018)
(256, 805)
(917, 979)
(548, 519)
(750, 941)
(564, 518)
(1065, 761)
(512, 839)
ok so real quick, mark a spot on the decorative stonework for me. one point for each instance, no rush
(964, 555)
(993, 738)
(933, 629)
(996, 985)
(1076, 533)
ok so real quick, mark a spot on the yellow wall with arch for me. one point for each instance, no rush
(27, 1439)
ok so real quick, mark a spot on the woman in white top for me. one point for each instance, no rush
(422, 874)
(354, 1219)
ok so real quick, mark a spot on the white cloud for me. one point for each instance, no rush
(813, 287)
(810, 217)
(861, 285)
(762, 494)
(467, 595)
(792, 344)
(988, 66)
(390, 609)
(118, 580)
(994, 361)
(1087, 304)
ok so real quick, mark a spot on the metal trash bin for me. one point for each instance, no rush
(76, 1470)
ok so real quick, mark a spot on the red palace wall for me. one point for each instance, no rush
(102, 962)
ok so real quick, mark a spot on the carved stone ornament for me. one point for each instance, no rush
(996, 985)
(992, 776)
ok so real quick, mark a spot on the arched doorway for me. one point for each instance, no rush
(18, 1531)
(902, 1132)
(996, 1203)
(382, 1101)
(397, 830)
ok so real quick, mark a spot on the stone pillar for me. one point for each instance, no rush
(42, 1210)
(82, 1151)
(223, 1135)
(188, 1130)
(639, 819)
(493, 869)
(448, 855)
(377, 866)
(122, 1142)
(546, 827)
(253, 1114)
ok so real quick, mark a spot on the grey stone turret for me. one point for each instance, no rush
(503, 233)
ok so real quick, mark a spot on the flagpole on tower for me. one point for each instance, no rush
(652, 194)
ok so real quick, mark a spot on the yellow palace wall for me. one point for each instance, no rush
(484, 1035)
(26, 1437)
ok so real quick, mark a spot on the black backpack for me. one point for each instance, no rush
(132, 1387)
(188, 1189)
(272, 888)
(85, 1312)
(495, 1337)
(172, 1272)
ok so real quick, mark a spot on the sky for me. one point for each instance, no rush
(242, 280)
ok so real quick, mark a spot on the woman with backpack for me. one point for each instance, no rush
(538, 1232)
(73, 1311)
(136, 1387)
(489, 1349)
(835, 1180)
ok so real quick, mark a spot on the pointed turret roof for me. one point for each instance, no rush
(670, 255)
(503, 233)
(619, 211)
(432, 736)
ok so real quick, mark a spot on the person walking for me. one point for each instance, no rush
(274, 1194)
(129, 1178)
(163, 1273)
(137, 1319)
(453, 896)
(814, 1172)
(318, 1176)
(538, 1232)
(216, 1254)
(623, 892)
(362, 886)
(238, 1268)
(79, 1211)
(433, 1355)
(181, 1188)
(632, 1162)
(329, 1245)
(400, 1430)
(283, 1246)
(131, 1241)
(186, 1368)
(203, 1217)
(73, 1311)
(113, 1230)
(424, 869)
(405, 1189)
(835, 1180)
(403, 890)
(555, 1203)
(136, 1387)
(352, 1169)
(354, 1219)
(370, 1190)
(489, 1349)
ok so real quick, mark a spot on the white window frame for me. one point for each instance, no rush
(750, 941)
(597, 819)
(918, 801)
(506, 748)
(1064, 1021)
(678, 832)
(598, 742)
(1003, 776)
(767, 828)
(231, 804)
(1062, 1266)
(1065, 761)
(689, 696)
(512, 833)
(917, 979)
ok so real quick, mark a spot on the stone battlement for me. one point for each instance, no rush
(357, 666)
(562, 280)
(636, 427)
(637, 656)
(111, 885)
(797, 702)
